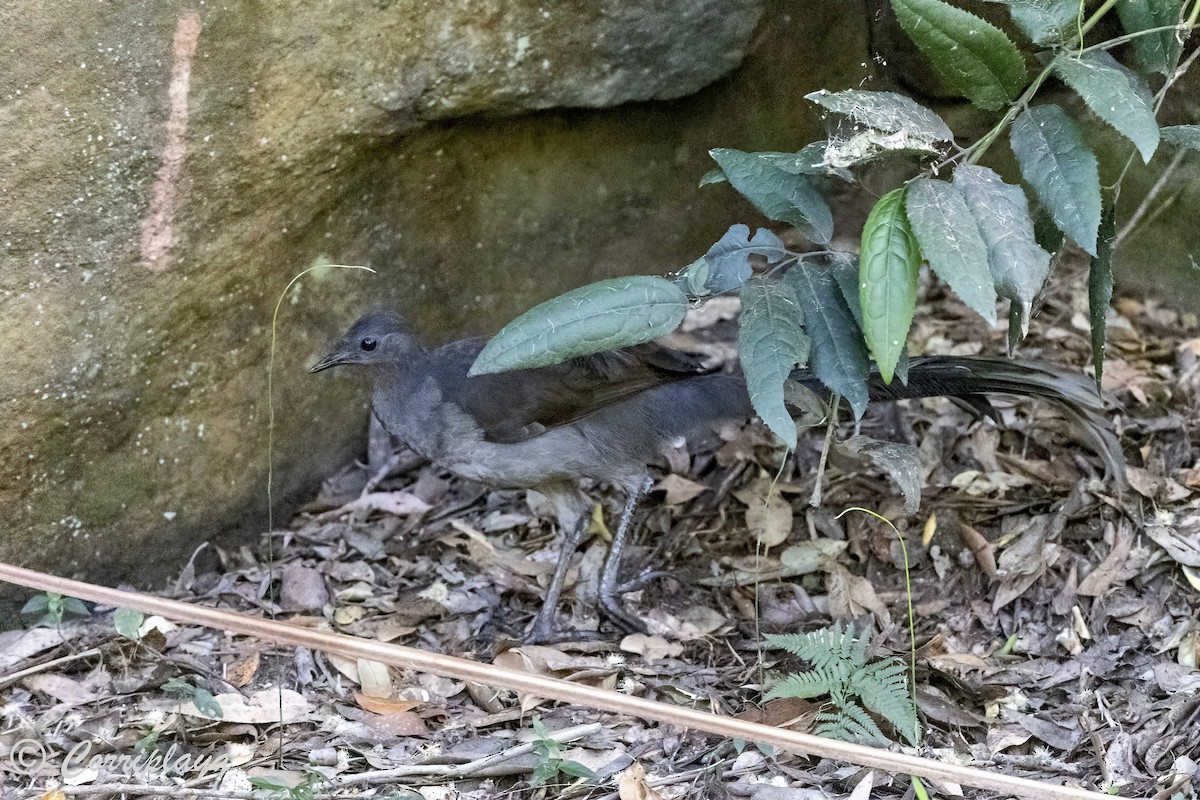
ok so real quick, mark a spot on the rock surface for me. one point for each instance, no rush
(168, 167)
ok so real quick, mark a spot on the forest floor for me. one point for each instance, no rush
(1057, 620)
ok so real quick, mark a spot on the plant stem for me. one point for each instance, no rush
(1108, 44)
(980, 147)
(1094, 18)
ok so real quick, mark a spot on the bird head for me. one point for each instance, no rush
(378, 338)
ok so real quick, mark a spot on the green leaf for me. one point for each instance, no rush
(36, 604)
(1019, 266)
(888, 262)
(883, 687)
(1100, 289)
(1045, 21)
(726, 265)
(777, 193)
(576, 770)
(1062, 170)
(127, 621)
(73, 605)
(206, 704)
(714, 175)
(839, 356)
(802, 686)
(771, 342)
(1187, 136)
(969, 53)
(543, 772)
(1156, 52)
(1114, 95)
(885, 111)
(951, 243)
(591, 319)
(808, 160)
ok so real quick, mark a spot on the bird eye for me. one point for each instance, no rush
(369, 344)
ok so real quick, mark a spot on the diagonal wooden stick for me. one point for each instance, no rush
(550, 688)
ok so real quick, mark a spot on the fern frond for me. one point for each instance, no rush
(883, 687)
(850, 724)
(802, 686)
(823, 647)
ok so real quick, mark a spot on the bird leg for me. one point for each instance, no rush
(545, 629)
(610, 604)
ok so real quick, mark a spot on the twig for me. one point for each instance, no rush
(815, 499)
(1148, 200)
(550, 688)
(471, 768)
(8, 680)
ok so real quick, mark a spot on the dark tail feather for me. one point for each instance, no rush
(971, 379)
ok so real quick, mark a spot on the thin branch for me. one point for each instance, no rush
(549, 688)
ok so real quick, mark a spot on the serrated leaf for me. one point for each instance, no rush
(1114, 95)
(885, 111)
(969, 53)
(951, 243)
(1019, 266)
(839, 354)
(726, 265)
(1062, 170)
(1187, 136)
(888, 262)
(1045, 21)
(808, 160)
(771, 342)
(1159, 51)
(777, 193)
(591, 319)
(1100, 290)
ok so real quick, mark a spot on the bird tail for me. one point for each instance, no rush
(971, 379)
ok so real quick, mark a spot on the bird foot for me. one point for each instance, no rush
(633, 584)
(611, 607)
(546, 630)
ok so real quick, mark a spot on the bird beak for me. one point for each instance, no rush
(334, 359)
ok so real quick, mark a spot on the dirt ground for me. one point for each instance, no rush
(1056, 618)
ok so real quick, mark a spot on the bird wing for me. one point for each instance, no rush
(517, 405)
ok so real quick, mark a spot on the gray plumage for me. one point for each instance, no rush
(607, 416)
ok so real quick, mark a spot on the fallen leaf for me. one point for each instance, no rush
(632, 785)
(241, 672)
(679, 489)
(651, 648)
(768, 516)
(388, 706)
(374, 678)
(61, 688)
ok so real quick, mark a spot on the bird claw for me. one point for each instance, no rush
(633, 584)
(611, 607)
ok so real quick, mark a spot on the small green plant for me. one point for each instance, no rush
(128, 621)
(840, 669)
(837, 310)
(550, 759)
(201, 698)
(52, 607)
(304, 790)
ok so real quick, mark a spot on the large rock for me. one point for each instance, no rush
(167, 168)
